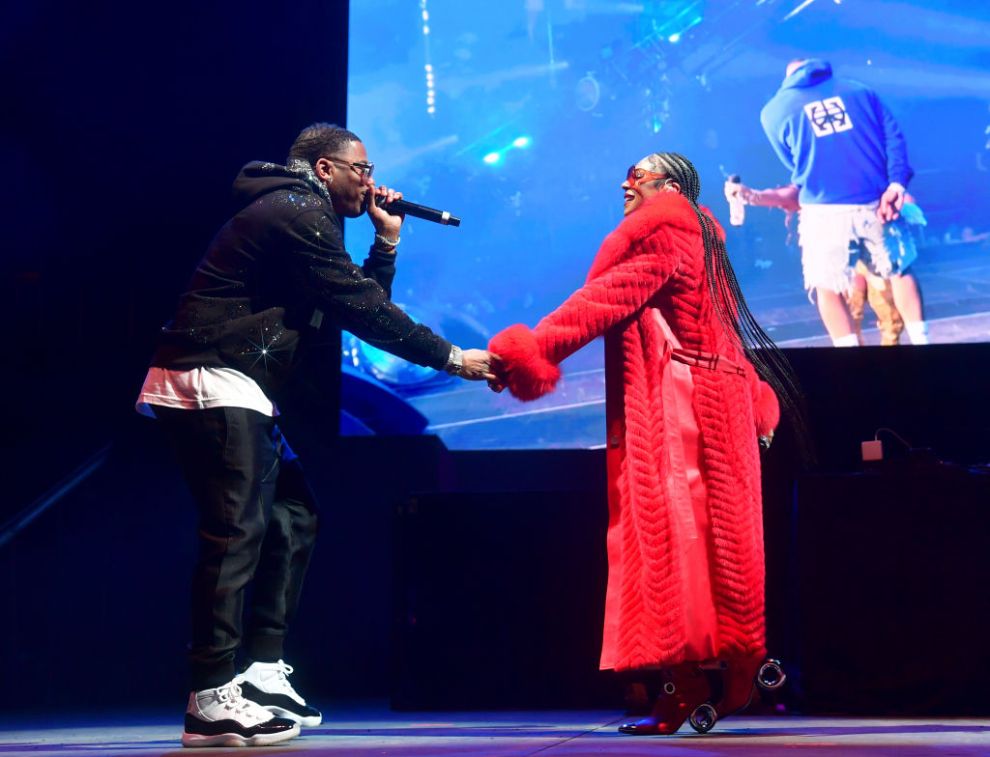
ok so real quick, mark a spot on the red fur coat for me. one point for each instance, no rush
(655, 259)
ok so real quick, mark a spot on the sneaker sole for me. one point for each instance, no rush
(235, 739)
(308, 722)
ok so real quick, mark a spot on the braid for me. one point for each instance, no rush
(770, 363)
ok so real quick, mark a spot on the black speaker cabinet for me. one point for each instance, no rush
(890, 599)
(499, 599)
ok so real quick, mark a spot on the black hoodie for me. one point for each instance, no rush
(271, 267)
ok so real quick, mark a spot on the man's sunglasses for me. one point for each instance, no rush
(363, 169)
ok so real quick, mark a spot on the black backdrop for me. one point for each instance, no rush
(122, 127)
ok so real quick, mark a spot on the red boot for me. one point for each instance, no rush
(685, 687)
(733, 684)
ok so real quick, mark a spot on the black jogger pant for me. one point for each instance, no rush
(257, 520)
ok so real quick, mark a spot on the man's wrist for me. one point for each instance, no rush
(382, 252)
(455, 361)
(898, 186)
(386, 243)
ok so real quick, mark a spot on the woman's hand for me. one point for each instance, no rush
(476, 366)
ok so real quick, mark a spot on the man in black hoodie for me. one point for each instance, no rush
(275, 270)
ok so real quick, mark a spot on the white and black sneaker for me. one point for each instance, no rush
(267, 684)
(223, 717)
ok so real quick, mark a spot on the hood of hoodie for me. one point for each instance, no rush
(813, 71)
(260, 178)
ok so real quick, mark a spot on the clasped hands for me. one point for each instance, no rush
(481, 365)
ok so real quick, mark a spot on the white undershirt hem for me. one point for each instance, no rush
(200, 389)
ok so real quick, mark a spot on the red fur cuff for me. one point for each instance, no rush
(523, 368)
(767, 410)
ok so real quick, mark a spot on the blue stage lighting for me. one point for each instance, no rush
(492, 158)
(522, 142)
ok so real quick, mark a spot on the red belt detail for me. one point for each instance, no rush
(707, 360)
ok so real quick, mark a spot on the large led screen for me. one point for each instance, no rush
(521, 118)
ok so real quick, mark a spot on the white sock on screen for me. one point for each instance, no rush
(849, 340)
(917, 332)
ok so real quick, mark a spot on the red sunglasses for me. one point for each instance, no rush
(638, 175)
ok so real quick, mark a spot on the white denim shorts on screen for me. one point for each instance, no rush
(834, 237)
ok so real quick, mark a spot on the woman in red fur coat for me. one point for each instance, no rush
(685, 409)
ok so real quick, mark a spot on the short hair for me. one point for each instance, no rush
(320, 140)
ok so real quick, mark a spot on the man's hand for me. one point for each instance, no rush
(891, 202)
(749, 196)
(785, 197)
(734, 189)
(477, 366)
(386, 224)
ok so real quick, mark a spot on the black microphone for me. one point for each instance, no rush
(417, 211)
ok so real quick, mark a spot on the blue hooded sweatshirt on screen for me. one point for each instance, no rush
(838, 139)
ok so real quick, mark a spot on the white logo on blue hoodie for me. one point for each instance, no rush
(839, 141)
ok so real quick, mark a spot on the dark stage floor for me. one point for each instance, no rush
(374, 730)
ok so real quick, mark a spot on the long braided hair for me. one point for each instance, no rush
(730, 305)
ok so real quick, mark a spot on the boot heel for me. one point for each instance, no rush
(771, 675)
(703, 718)
(685, 692)
(740, 681)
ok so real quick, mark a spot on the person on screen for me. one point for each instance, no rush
(686, 412)
(846, 153)
(275, 272)
(866, 285)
